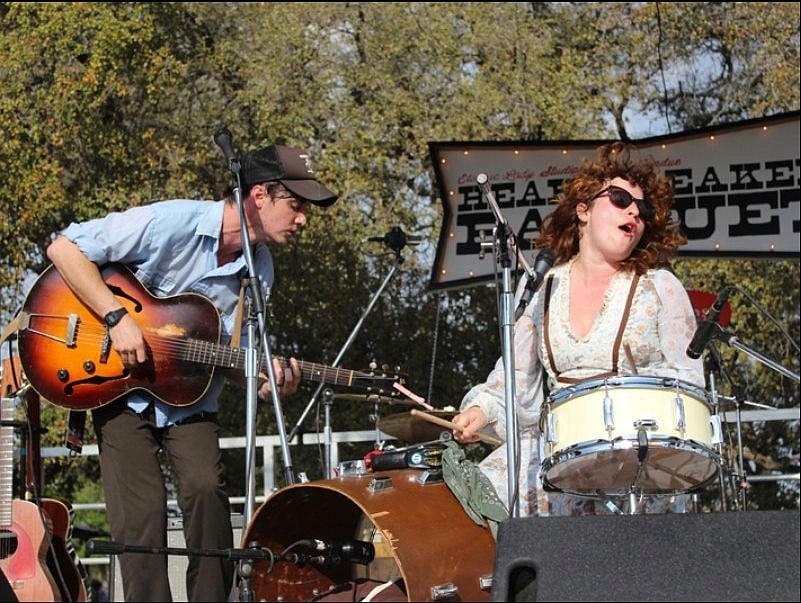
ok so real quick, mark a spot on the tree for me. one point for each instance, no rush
(114, 104)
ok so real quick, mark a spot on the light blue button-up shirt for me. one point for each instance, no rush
(171, 246)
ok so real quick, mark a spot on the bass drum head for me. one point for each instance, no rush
(422, 536)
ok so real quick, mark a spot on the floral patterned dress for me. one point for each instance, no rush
(659, 326)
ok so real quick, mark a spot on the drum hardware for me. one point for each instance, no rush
(430, 476)
(352, 468)
(609, 418)
(380, 483)
(644, 424)
(440, 592)
(642, 447)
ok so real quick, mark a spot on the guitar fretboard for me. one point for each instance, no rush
(6, 462)
(205, 352)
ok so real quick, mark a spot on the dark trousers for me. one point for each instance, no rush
(136, 500)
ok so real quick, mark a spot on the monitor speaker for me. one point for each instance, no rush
(736, 556)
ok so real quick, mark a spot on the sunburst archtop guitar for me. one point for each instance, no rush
(66, 353)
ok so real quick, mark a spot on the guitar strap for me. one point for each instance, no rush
(10, 329)
(76, 428)
(235, 336)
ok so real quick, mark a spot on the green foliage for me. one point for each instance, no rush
(109, 105)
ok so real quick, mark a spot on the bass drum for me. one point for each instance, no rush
(422, 537)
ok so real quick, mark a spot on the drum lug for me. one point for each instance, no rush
(485, 582)
(550, 428)
(448, 590)
(681, 421)
(609, 415)
(717, 432)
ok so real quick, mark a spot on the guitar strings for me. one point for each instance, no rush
(206, 352)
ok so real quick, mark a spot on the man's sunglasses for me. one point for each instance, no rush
(621, 199)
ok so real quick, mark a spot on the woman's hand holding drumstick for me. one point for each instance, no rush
(449, 424)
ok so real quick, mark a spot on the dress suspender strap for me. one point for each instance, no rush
(618, 339)
(546, 319)
(623, 322)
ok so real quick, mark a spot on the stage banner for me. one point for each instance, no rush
(736, 189)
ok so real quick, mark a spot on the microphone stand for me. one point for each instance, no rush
(711, 365)
(503, 240)
(721, 334)
(246, 557)
(327, 470)
(256, 312)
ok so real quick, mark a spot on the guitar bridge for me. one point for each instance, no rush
(105, 347)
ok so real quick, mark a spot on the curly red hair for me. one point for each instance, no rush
(662, 234)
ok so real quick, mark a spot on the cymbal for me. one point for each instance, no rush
(376, 398)
(409, 428)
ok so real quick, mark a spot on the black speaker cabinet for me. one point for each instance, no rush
(736, 556)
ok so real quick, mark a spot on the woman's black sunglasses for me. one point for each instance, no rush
(621, 198)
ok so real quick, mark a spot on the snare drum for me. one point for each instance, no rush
(614, 436)
(420, 532)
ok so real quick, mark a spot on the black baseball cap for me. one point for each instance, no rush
(290, 167)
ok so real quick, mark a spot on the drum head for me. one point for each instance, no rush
(601, 470)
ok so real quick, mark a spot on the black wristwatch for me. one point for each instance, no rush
(113, 318)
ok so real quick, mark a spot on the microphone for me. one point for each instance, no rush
(704, 331)
(222, 138)
(396, 239)
(350, 551)
(543, 263)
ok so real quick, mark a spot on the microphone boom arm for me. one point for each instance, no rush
(721, 334)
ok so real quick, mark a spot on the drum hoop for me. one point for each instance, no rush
(629, 442)
(630, 381)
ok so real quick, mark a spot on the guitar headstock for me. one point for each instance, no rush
(380, 380)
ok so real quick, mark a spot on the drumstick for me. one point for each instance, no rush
(443, 423)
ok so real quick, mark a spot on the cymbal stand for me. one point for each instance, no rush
(739, 482)
(397, 245)
(328, 400)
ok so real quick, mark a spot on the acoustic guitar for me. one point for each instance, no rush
(23, 536)
(66, 352)
(62, 560)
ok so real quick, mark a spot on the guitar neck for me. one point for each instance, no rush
(204, 352)
(6, 462)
